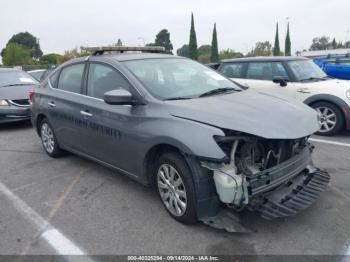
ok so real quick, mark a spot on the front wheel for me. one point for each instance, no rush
(331, 119)
(175, 187)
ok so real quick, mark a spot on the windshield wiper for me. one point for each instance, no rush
(313, 78)
(219, 91)
(177, 98)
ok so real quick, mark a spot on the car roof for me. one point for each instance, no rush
(265, 59)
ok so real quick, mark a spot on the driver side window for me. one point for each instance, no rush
(104, 78)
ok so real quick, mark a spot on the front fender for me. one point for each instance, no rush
(190, 137)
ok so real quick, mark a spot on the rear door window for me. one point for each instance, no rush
(232, 70)
(266, 70)
(71, 78)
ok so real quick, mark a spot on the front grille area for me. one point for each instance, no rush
(20, 102)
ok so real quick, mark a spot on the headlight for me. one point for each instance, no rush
(347, 93)
(3, 102)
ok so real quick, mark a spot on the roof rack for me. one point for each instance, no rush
(122, 49)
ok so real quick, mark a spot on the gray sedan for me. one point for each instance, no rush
(15, 86)
(205, 144)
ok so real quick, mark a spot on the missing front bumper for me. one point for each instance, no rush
(298, 194)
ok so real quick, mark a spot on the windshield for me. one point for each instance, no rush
(177, 78)
(306, 70)
(10, 78)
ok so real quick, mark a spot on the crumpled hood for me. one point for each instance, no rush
(256, 113)
(15, 92)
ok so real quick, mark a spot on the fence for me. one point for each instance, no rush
(31, 67)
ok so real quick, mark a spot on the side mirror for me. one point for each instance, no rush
(119, 97)
(280, 80)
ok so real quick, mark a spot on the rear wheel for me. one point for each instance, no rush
(49, 140)
(331, 119)
(175, 187)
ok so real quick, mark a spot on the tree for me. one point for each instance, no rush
(347, 44)
(119, 43)
(163, 39)
(204, 50)
(16, 54)
(229, 53)
(276, 47)
(334, 44)
(214, 47)
(261, 49)
(192, 46)
(287, 48)
(183, 51)
(320, 43)
(27, 40)
(71, 54)
(50, 59)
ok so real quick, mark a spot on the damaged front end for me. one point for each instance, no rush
(275, 177)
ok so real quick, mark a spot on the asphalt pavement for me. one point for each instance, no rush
(71, 205)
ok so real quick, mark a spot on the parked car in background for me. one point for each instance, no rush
(15, 86)
(299, 78)
(337, 66)
(181, 127)
(40, 74)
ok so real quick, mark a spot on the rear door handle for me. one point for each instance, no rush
(51, 104)
(303, 90)
(85, 113)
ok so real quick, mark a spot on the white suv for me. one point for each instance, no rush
(299, 78)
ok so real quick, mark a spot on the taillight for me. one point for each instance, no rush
(30, 96)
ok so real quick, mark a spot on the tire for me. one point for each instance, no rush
(179, 179)
(49, 140)
(331, 121)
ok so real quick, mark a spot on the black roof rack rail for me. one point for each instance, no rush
(122, 49)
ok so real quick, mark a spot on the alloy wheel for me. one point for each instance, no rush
(47, 138)
(172, 189)
(327, 119)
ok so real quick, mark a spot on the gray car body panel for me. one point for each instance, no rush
(122, 136)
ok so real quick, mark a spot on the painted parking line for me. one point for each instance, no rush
(58, 241)
(330, 142)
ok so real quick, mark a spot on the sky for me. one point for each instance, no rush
(65, 24)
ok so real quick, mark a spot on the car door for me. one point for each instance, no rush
(63, 105)
(109, 127)
(259, 76)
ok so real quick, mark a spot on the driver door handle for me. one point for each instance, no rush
(86, 113)
(303, 90)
